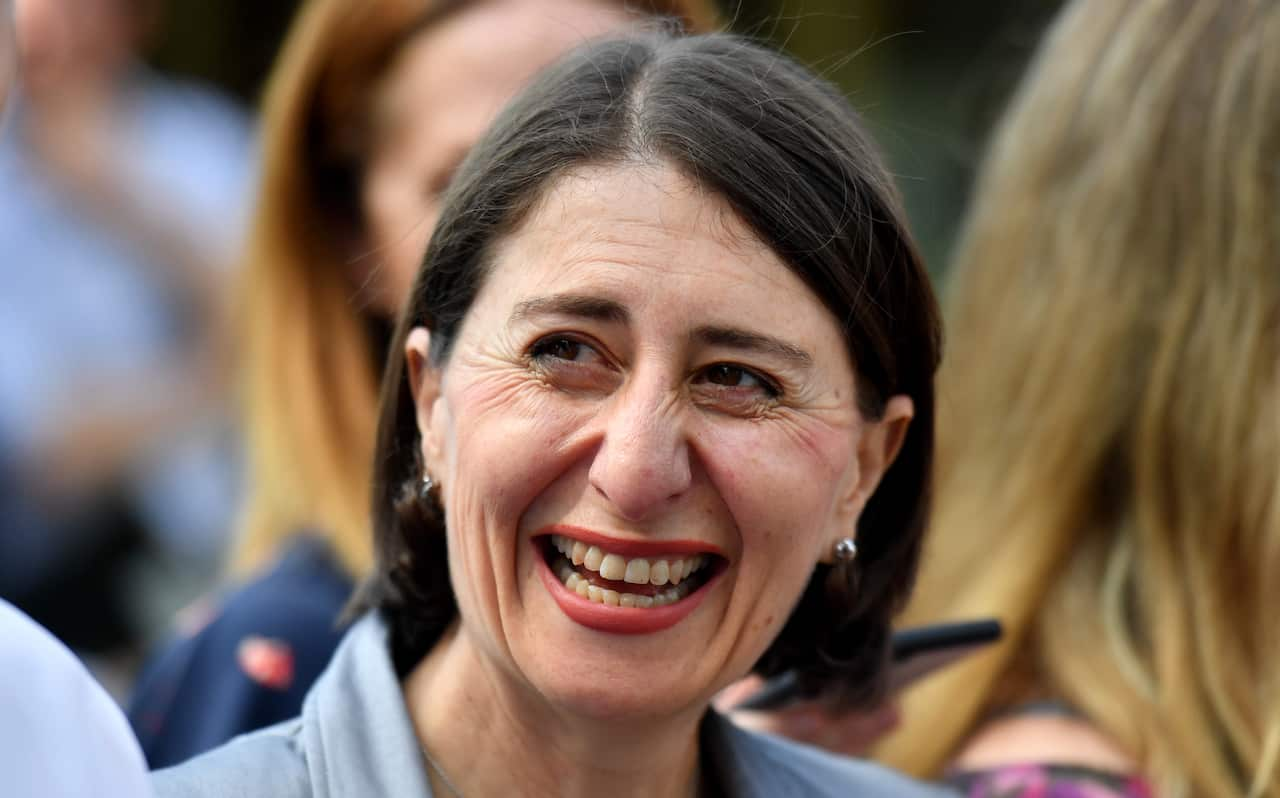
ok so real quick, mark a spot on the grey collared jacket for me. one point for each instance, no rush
(354, 739)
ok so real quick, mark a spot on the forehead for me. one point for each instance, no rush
(643, 233)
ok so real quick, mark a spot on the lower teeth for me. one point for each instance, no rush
(583, 587)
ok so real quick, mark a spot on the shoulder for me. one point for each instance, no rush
(353, 738)
(820, 773)
(55, 718)
(245, 667)
(304, 585)
(267, 762)
(771, 765)
(297, 603)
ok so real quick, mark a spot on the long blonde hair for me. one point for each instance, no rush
(1109, 417)
(312, 350)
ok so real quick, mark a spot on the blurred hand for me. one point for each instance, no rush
(848, 733)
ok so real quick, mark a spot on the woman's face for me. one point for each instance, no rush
(446, 86)
(642, 393)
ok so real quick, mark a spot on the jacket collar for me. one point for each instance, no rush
(355, 725)
(360, 741)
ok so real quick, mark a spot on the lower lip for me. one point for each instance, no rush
(618, 620)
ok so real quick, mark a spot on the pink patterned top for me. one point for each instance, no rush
(1047, 781)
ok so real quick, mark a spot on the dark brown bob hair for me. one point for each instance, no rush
(790, 156)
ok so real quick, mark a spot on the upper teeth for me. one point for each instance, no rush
(637, 571)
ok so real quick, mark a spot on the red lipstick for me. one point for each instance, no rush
(620, 620)
(653, 549)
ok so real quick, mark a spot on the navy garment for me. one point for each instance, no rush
(250, 665)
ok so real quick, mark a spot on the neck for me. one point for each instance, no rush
(487, 734)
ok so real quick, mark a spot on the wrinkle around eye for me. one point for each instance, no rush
(507, 389)
(828, 437)
(711, 375)
(733, 402)
(568, 362)
(753, 397)
(564, 347)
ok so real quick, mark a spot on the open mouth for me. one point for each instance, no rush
(614, 579)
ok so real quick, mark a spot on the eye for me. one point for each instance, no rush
(559, 347)
(737, 379)
(572, 364)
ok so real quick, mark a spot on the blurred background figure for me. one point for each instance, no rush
(8, 58)
(1109, 469)
(121, 213)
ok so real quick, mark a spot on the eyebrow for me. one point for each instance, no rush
(579, 305)
(735, 338)
(607, 310)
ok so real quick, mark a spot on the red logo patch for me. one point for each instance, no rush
(267, 661)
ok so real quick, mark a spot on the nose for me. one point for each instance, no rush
(643, 462)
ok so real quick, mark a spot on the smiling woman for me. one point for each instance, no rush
(670, 353)
(647, 416)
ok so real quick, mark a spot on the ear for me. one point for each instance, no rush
(878, 446)
(428, 400)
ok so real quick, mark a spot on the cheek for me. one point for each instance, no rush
(508, 430)
(788, 471)
(503, 427)
(780, 480)
(780, 483)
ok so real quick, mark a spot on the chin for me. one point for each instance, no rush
(607, 677)
(587, 692)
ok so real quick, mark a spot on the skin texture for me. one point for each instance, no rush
(470, 63)
(1041, 738)
(639, 425)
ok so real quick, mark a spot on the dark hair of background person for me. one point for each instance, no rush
(789, 155)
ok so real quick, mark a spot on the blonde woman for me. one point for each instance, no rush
(371, 107)
(1109, 471)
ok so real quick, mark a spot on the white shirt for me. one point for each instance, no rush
(61, 735)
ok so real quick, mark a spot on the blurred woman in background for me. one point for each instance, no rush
(1109, 472)
(371, 107)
